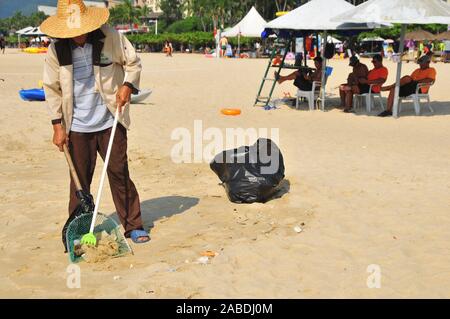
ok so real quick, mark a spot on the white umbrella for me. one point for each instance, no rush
(333, 40)
(35, 32)
(317, 15)
(400, 11)
(22, 31)
(374, 39)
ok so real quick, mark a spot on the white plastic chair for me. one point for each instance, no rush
(311, 96)
(369, 99)
(417, 97)
(314, 94)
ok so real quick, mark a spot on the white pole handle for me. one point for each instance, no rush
(105, 170)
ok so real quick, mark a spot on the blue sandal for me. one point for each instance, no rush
(135, 235)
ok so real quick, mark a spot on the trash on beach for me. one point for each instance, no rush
(106, 248)
(203, 260)
(111, 242)
(209, 253)
(250, 174)
(298, 229)
(117, 277)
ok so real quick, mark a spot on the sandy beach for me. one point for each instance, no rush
(365, 191)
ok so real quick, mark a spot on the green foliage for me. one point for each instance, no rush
(195, 39)
(19, 21)
(173, 10)
(125, 13)
(191, 24)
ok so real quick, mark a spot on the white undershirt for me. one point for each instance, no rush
(90, 113)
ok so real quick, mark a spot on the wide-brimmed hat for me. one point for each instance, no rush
(73, 19)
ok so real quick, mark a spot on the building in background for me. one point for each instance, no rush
(154, 5)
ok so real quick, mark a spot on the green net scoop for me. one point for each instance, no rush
(80, 226)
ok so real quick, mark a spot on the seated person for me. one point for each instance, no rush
(408, 84)
(303, 80)
(354, 83)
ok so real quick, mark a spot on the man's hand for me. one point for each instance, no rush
(60, 136)
(123, 96)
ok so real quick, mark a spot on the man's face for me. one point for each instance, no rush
(376, 63)
(425, 65)
(80, 40)
(317, 64)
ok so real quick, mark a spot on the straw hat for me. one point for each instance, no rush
(73, 19)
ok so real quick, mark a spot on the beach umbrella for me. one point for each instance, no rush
(317, 15)
(419, 35)
(374, 39)
(333, 40)
(23, 31)
(443, 36)
(34, 32)
(403, 12)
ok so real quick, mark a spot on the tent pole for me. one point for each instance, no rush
(239, 45)
(324, 66)
(399, 72)
(305, 54)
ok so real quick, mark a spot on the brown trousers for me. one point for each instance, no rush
(83, 149)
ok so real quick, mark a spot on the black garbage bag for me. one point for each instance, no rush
(250, 174)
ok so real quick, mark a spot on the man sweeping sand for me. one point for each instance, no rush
(90, 71)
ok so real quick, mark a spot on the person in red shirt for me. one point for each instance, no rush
(408, 84)
(376, 77)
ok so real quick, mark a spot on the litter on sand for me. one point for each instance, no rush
(209, 253)
(298, 229)
(107, 247)
(203, 260)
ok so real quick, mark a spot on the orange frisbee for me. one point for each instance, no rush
(232, 112)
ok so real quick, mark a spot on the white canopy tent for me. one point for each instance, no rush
(374, 39)
(34, 32)
(22, 31)
(316, 15)
(333, 40)
(252, 25)
(400, 11)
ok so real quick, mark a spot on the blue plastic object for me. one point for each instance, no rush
(328, 71)
(32, 95)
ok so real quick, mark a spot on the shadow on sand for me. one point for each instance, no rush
(440, 108)
(157, 208)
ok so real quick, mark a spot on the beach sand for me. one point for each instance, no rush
(365, 191)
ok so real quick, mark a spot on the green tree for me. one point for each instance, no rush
(172, 10)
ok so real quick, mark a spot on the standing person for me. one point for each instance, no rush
(2, 44)
(90, 72)
(354, 80)
(408, 84)
(170, 49)
(223, 46)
